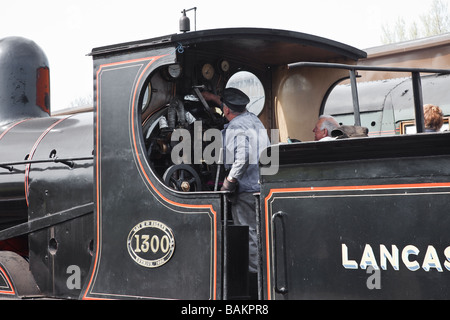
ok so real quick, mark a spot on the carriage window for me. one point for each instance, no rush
(252, 87)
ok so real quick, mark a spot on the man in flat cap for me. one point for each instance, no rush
(244, 138)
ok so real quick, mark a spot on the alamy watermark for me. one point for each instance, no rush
(242, 146)
(74, 279)
(374, 280)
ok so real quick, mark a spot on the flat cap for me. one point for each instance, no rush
(235, 99)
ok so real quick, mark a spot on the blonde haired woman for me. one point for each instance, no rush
(434, 118)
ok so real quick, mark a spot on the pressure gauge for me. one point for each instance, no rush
(174, 71)
(208, 71)
(225, 65)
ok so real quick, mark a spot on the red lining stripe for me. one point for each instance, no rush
(11, 127)
(33, 150)
(13, 292)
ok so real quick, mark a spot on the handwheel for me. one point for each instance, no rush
(182, 177)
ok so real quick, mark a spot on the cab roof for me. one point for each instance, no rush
(266, 46)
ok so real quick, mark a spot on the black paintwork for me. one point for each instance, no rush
(105, 208)
(375, 191)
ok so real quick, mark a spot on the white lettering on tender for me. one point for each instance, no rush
(348, 264)
(409, 255)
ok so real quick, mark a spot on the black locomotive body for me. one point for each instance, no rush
(102, 209)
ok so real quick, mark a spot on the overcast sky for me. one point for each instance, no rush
(67, 30)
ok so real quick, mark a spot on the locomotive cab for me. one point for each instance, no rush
(170, 99)
(175, 224)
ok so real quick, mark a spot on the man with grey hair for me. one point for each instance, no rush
(324, 126)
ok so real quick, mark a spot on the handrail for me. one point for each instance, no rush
(365, 68)
(67, 161)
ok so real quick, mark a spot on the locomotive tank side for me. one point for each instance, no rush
(45, 180)
(62, 193)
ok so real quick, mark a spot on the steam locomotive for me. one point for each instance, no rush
(93, 206)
